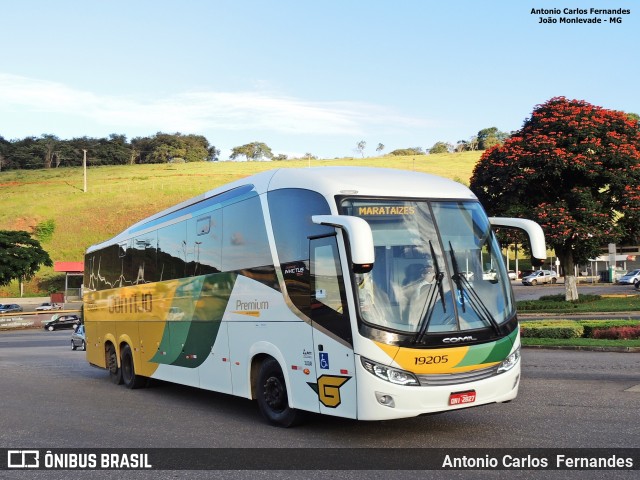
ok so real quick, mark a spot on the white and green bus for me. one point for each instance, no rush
(358, 292)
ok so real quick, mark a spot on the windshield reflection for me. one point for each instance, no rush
(437, 267)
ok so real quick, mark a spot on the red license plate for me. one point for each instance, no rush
(460, 398)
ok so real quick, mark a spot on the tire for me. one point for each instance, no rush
(115, 373)
(50, 328)
(73, 345)
(273, 401)
(83, 347)
(129, 377)
(534, 282)
(553, 281)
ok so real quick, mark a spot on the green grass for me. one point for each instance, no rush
(590, 304)
(119, 196)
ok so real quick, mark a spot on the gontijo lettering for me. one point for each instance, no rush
(135, 303)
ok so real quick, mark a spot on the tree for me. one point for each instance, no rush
(441, 147)
(633, 116)
(20, 256)
(575, 169)
(165, 147)
(400, 152)
(380, 148)
(361, 145)
(490, 137)
(252, 151)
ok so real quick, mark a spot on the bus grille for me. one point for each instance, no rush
(456, 378)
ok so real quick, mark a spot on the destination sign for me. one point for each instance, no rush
(377, 210)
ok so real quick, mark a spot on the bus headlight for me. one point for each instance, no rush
(509, 362)
(392, 375)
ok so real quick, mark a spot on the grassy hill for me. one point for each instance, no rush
(118, 196)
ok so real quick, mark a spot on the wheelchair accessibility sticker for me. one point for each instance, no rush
(324, 360)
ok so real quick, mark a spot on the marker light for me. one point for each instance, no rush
(392, 375)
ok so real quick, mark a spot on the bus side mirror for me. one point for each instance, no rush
(360, 238)
(533, 230)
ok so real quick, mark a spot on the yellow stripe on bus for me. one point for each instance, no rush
(430, 361)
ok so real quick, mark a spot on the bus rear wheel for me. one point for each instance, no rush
(272, 397)
(115, 373)
(129, 377)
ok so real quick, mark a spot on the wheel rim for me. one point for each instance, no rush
(275, 394)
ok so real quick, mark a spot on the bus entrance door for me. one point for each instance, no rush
(332, 336)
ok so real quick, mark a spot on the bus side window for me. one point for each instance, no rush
(328, 296)
(291, 210)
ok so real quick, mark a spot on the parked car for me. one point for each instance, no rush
(44, 307)
(60, 321)
(631, 277)
(78, 339)
(512, 275)
(10, 308)
(540, 276)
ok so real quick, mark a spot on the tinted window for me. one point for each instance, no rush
(204, 242)
(244, 236)
(172, 251)
(144, 258)
(291, 210)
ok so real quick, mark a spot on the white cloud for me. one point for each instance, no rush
(199, 111)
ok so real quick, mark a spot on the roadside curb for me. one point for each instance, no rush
(585, 349)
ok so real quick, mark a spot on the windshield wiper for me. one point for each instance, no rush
(465, 288)
(431, 299)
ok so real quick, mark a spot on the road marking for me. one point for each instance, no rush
(635, 388)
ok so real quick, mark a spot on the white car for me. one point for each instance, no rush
(46, 307)
(540, 276)
(631, 277)
(512, 275)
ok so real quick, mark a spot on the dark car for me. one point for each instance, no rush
(61, 321)
(78, 339)
(10, 308)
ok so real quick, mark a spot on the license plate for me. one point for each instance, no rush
(460, 398)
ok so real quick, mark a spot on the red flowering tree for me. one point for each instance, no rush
(575, 169)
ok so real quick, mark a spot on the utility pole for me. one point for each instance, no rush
(84, 168)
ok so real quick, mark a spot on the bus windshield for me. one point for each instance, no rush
(437, 267)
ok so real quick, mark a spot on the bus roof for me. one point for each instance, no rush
(328, 181)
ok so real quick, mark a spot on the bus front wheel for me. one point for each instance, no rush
(272, 397)
(129, 377)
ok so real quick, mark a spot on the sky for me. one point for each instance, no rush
(306, 77)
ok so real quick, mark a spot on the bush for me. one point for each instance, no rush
(618, 333)
(566, 329)
(555, 302)
(591, 326)
(44, 230)
(561, 298)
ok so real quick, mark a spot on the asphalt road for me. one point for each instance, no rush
(530, 292)
(51, 398)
